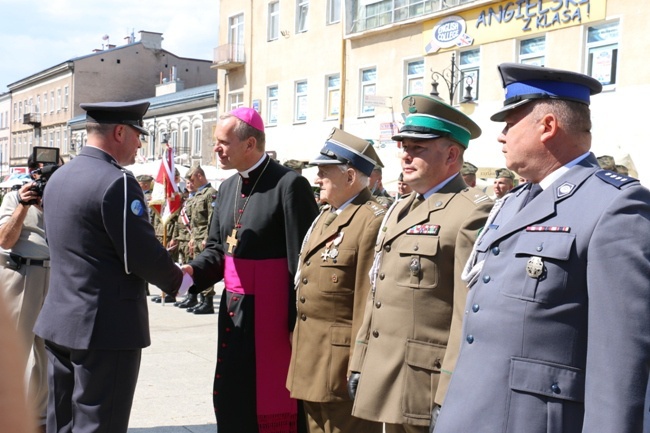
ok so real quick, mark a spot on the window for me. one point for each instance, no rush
(30, 108)
(38, 103)
(15, 111)
(415, 77)
(302, 8)
(602, 52)
(52, 101)
(20, 110)
(185, 141)
(57, 140)
(65, 142)
(300, 113)
(66, 96)
(531, 51)
(469, 73)
(235, 100)
(58, 99)
(333, 101)
(368, 88)
(197, 141)
(236, 35)
(173, 141)
(333, 11)
(45, 103)
(272, 105)
(51, 143)
(274, 21)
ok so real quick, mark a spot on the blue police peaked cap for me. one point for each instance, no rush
(121, 113)
(525, 83)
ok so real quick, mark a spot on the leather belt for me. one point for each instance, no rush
(15, 261)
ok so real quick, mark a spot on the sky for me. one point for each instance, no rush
(36, 35)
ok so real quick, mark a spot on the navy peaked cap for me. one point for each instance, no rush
(122, 113)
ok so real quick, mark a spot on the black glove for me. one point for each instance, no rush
(434, 417)
(353, 381)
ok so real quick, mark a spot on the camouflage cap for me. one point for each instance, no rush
(294, 164)
(606, 162)
(468, 168)
(144, 178)
(505, 174)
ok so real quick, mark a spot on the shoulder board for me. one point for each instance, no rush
(614, 179)
(376, 208)
(475, 195)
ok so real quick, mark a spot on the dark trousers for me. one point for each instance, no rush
(90, 391)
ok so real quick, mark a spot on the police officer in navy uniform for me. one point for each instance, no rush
(556, 335)
(103, 252)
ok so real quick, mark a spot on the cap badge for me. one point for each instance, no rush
(412, 107)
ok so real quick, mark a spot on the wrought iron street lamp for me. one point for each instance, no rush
(452, 77)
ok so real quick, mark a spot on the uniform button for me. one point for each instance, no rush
(496, 251)
(415, 248)
(302, 299)
(486, 278)
(539, 248)
(470, 338)
(378, 304)
(375, 333)
(303, 317)
(304, 280)
(232, 313)
(308, 262)
(475, 308)
(555, 388)
(235, 298)
(227, 329)
(335, 278)
(382, 276)
(387, 248)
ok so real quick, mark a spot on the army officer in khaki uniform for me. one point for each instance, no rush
(333, 285)
(427, 237)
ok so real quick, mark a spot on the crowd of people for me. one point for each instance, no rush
(445, 308)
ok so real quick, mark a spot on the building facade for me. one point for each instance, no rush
(309, 65)
(43, 103)
(5, 134)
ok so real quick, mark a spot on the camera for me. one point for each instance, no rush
(49, 157)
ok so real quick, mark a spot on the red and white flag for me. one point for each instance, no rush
(165, 197)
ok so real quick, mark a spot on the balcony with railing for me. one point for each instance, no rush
(228, 56)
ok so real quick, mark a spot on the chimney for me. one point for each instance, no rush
(151, 40)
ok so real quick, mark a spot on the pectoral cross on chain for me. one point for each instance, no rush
(232, 241)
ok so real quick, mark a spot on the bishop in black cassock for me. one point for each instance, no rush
(262, 215)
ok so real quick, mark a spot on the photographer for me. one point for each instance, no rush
(24, 277)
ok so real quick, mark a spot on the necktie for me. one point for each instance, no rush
(534, 191)
(419, 199)
(329, 217)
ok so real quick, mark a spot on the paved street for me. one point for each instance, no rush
(174, 392)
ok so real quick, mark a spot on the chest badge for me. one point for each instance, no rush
(535, 267)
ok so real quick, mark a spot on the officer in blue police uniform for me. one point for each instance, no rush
(556, 336)
(103, 252)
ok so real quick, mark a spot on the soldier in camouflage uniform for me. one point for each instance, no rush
(200, 210)
(181, 238)
(377, 189)
(156, 221)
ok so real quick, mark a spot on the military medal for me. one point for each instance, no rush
(535, 267)
(334, 252)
